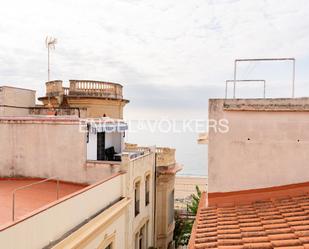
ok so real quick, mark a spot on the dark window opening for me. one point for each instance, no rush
(137, 199)
(101, 146)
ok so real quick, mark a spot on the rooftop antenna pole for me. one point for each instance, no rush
(50, 44)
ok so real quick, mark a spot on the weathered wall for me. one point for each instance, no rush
(47, 148)
(267, 144)
(164, 229)
(15, 101)
(98, 107)
(42, 149)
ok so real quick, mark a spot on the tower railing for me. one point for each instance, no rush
(95, 88)
(87, 88)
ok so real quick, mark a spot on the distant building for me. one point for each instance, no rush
(15, 101)
(98, 98)
(258, 177)
(75, 182)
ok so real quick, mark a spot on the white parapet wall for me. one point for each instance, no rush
(266, 145)
(52, 222)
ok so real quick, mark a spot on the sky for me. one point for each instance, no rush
(171, 56)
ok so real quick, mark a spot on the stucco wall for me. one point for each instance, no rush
(267, 144)
(15, 101)
(92, 147)
(46, 149)
(17, 97)
(98, 107)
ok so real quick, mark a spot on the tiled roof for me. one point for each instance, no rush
(281, 223)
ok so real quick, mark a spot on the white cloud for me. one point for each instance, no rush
(153, 42)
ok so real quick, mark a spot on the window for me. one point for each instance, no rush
(141, 241)
(147, 190)
(101, 146)
(137, 198)
(171, 208)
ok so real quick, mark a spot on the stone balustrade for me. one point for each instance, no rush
(165, 156)
(66, 91)
(85, 88)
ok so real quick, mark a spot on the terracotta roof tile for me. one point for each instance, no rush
(281, 223)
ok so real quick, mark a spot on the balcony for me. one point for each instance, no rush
(165, 155)
(86, 88)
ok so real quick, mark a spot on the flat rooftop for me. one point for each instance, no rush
(260, 104)
(30, 200)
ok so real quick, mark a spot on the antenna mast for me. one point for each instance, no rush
(50, 43)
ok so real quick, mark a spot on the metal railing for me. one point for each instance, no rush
(265, 59)
(30, 185)
(233, 81)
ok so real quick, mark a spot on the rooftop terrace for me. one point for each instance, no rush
(30, 199)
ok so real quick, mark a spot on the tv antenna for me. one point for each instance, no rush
(50, 43)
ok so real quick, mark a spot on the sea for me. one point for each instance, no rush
(191, 155)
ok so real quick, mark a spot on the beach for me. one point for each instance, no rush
(185, 187)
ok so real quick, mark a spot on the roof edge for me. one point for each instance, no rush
(251, 195)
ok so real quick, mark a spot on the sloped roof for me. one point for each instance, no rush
(281, 222)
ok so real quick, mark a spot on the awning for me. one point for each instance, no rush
(115, 126)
